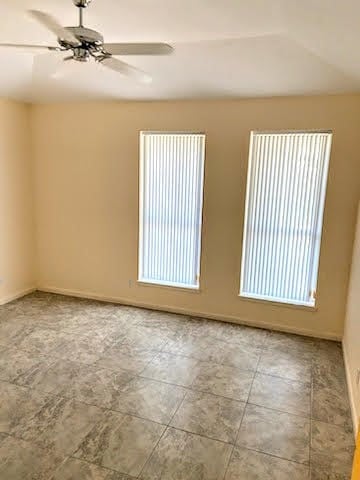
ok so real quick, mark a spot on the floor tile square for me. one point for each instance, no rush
(196, 326)
(119, 476)
(241, 355)
(318, 473)
(18, 404)
(88, 384)
(150, 399)
(209, 415)
(208, 349)
(133, 315)
(249, 465)
(281, 394)
(41, 340)
(163, 320)
(20, 460)
(60, 425)
(285, 364)
(332, 448)
(52, 376)
(328, 352)
(201, 348)
(330, 375)
(275, 433)
(127, 357)
(83, 348)
(168, 324)
(232, 333)
(121, 442)
(288, 342)
(108, 328)
(144, 337)
(13, 331)
(74, 469)
(36, 372)
(176, 369)
(15, 362)
(99, 386)
(330, 400)
(182, 455)
(240, 334)
(223, 380)
(331, 406)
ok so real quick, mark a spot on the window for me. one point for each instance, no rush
(283, 220)
(171, 191)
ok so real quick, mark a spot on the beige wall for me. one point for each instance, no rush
(351, 341)
(86, 159)
(17, 266)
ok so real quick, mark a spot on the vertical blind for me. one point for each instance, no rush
(171, 192)
(283, 220)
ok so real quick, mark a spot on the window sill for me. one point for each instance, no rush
(169, 286)
(278, 303)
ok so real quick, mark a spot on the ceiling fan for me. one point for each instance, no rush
(85, 44)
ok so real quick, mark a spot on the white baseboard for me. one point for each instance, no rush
(354, 413)
(184, 311)
(17, 295)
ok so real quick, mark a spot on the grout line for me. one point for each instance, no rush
(110, 470)
(229, 461)
(188, 388)
(235, 442)
(242, 418)
(178, 408)
(281, 411)
(51, 476)
(287, 379)
(213, 439)
(124, 412)
(100, 407)
(255, 374)
(301, 415)
(152, 452)
(166, 425)
(243, 414)
(174, 353)
(306, 465)
(311, 415)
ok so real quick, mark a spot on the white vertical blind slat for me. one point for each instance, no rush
(172, 170)
(284, 209)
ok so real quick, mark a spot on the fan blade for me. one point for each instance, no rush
(54, 26)
(125, 69)
(138, 48)
(33, 47)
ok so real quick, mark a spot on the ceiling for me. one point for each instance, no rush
(223, 48)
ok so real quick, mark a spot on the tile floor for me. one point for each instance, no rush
(95, 391)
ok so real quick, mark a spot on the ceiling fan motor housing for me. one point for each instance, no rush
(82, 3)
(86, 35)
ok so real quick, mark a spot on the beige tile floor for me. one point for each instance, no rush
(95, 391)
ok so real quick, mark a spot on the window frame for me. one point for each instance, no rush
(167, 284)
(311, 305)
